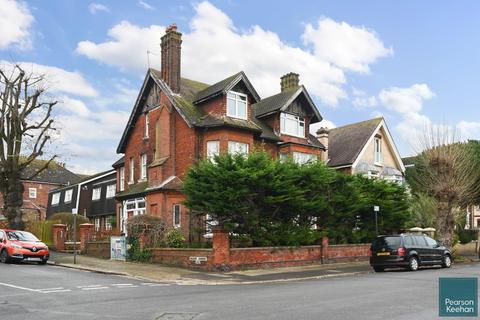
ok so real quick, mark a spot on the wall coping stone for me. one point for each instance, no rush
(277, 248)
(350, 245)
(181, 249)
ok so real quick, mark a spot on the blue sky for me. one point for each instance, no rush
(414, 62)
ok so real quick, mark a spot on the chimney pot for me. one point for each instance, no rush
(289, 81)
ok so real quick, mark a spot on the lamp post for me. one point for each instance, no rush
(376, 209)
(74, 212)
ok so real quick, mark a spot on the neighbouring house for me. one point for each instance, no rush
(472, 211)
(36, 187)
(175, 122)
(366, 148)
(96, 200)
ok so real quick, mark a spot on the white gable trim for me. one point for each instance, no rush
(390, 142)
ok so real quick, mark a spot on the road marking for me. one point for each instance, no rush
(54, 291)
(152, 284)
(48, 289)
(334, 271)
(90, 286)
(124, 285)
(17, 287)
(94, 288)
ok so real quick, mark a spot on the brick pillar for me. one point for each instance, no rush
(59, 233)
(221, 247)
(86, 230)
(324, 249)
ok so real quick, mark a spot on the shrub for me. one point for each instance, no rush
(151, 229)
(175, 239)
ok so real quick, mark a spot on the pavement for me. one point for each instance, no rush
(155, 272)
(30, 291)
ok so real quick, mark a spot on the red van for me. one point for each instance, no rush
(22, 246)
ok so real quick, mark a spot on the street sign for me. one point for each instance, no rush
(74, 211)
(376, 208)
(198, 260)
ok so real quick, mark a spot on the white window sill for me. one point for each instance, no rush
(378, 164)
(236, 117)
(130, 182)
(293, 135)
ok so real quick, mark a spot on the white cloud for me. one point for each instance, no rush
(365, 102)
(406, 100)
(260, 53)
(145, 5)
(57, 80)
(97, 7)
(128, 47)
(15, 23)
(75, 106)
(469, 129)
(348, 47)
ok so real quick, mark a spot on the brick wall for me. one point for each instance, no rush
(98, 249)
(221, 257)
(348, 252)
(181, 257)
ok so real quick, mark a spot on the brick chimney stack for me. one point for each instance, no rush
(289, 81)
(322, 136)
(171, 44)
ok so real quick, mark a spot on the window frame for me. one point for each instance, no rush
(210, 155)
(70, 192)
(121, 185)
(143, 166)
(147, 126)
(174, 213)
(377, 150)
(111, 187)
(291, 117)
(96, 191)
(236, 99)
(97, 224)
(231, 143)
(56, 196)
(131, 163)
(296, 154)
(34, 193)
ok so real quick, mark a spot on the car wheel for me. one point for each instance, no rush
(413, 264)
(379, 269)
(4, 258)
(446, 261)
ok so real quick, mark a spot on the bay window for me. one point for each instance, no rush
(237, 148)
(302, 158)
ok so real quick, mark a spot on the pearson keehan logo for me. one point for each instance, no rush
(458, 297)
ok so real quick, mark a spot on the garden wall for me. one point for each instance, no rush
(183, 257)
(222, 257)
(100, 249)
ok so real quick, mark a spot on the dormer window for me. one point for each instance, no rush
(237, 105)
(292, 125)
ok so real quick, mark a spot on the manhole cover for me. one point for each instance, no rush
(176, 316)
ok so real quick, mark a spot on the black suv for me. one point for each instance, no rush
(408, 250)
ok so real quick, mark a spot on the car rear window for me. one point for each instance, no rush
(392, 242)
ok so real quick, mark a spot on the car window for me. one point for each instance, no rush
(21, 236)
(420, 240)
(392, 242)
(408, 241)
(430, 242)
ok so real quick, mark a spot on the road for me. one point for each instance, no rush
(49, 292)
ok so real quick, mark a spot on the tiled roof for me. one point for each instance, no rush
(273, 103)
(345, 143)
(314, 141)
(120, 162)
(137, 189)
(54, 173)
(215, 88)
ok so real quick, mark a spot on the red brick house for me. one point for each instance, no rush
(176, 122)
(35, 194)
